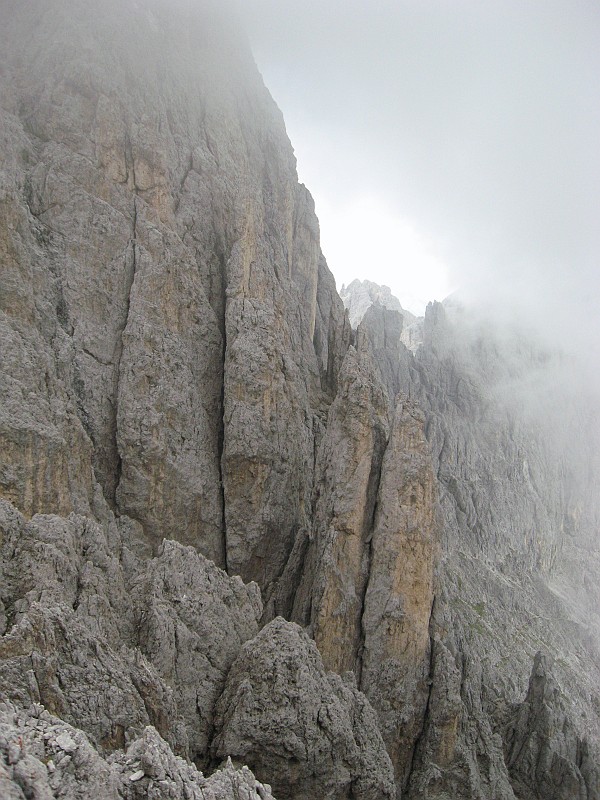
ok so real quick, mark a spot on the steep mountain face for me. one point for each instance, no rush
(144, 220)
(230, 525)
(514, 437)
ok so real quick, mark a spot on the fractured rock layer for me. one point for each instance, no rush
(185, 410)
(41, 756)
(285, 716)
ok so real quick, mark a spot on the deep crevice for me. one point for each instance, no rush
(424, 725)
(116, 360)
(189, 168)
(96, 358)
(379, 447)
(220, 449)
(222, 291)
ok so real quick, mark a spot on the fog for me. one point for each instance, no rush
(479, 122)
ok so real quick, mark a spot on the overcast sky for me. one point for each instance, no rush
(447, 143)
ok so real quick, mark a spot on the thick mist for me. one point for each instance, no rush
(479, 121)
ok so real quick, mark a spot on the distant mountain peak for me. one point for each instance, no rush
(359, 296)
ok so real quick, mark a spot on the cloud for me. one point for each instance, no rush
(477, 121)
(361, 234)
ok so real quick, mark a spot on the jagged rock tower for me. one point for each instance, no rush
(230, 525)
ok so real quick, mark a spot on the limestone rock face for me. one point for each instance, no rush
(369, 569)
(194, 441)
(68, 615)
(359, 296)
(334, 581)
(168, 312)
(42, 757)
(379, 334)
(161, 634)
(545, 756)
(173, 343)
(508, 450)
(400, 593)
(191, 622)
(363, 297)
(160, 654)
(285, 716)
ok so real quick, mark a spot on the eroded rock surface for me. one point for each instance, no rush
(546, 757)
(400, 594)
(312, 733)
(359, 296)
(192, 620)
(42, 757)
(183, 401)
(165, 302)
(336, 569)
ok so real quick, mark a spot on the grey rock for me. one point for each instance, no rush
(331, 593)
(368, 584)
(83, 774)
(333, 331)
(364, 298)
(508, 487)
(65, 743)
(162, 634)
(379, 334)
(192, 620)
(546, 758)
(74, 562)
(50, 657)
(71, 627)
(187, 331)
(35, 735)
(176, 364)
(458, 754)
(400, 593)
(238, 783)
(312, 734)
(164, 775)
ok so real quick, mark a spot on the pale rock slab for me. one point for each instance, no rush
(331, 594)
(400, 593)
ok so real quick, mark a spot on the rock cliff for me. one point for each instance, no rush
(236, 533)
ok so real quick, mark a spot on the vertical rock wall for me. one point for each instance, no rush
(173, 273)
(177, 364)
